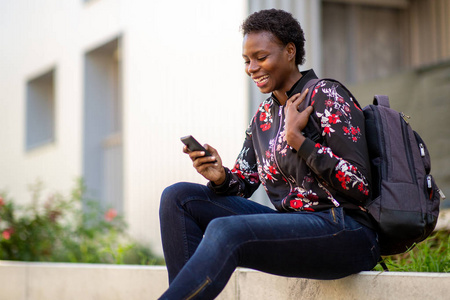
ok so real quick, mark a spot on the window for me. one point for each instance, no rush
(102, 138)
(40, 111)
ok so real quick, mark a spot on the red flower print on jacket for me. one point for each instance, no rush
(264, 115)
(296, 204)
(269, 170)
(265, 126)
(300, 199)
(333, 119)
(349, 176)
(326, 119)
(337, 110)
(243, 170)
(343, 179)
(352, 132)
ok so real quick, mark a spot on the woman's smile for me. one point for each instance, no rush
(261, 81)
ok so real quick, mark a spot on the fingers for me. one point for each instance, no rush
(297, 99)
(193, 154)
(309, 110)
(204, 161)
(199, 158)
(214, 154)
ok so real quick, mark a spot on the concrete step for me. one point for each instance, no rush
(63, 281)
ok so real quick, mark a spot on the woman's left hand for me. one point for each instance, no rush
(296, 121)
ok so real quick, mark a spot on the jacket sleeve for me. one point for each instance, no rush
(243, 179)
(342, 160)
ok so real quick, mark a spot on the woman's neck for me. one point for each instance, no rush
(281, 94)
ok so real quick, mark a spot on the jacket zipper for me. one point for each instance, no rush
(280, 114)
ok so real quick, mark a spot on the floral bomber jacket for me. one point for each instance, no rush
(317, 176)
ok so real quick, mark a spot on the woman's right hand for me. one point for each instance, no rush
(209, 167)
(296, 121)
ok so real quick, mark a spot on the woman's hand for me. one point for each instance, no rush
(209, 167)
(296, 121)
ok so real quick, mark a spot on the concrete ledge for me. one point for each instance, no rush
(61, 281)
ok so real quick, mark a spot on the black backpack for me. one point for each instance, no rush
(405, 199)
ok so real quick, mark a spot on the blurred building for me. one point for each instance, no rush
(104, 89)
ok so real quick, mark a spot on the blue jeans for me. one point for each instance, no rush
(206, 236)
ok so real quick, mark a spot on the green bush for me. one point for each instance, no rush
(431, 255)
(67, 229)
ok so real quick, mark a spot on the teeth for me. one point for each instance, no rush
(260, 79)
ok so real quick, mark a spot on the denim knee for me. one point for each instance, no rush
(173, 194)
(227, 234)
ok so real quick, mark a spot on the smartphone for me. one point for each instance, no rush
(193, 144)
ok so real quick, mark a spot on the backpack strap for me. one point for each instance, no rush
(312, 129)
(382, 100)
(310, 84)
(383, 265)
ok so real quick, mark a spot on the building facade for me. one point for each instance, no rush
(103, 89)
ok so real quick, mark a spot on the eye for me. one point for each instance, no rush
(246, 62)
(262, 58)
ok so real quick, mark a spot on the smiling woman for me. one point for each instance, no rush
(318, 228)
(270, 64)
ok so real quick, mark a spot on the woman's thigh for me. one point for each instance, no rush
(323, 245)
(203, 205)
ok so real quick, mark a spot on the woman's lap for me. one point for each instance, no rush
(239, 232)
(186, 210)
(323, 245)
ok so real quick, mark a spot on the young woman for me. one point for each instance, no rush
(318, 228)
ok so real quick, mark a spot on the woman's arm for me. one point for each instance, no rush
(243, 179)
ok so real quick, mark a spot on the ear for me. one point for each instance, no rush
(291, 51)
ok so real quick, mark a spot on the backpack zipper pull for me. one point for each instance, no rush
(422, 150)
(442, 194)
(405, 117)
(429, 182)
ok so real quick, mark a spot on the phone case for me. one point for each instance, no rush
(193, 144)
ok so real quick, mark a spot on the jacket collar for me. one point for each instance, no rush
(298, 86)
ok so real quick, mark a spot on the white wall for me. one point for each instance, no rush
(37, 36)
(182, 74)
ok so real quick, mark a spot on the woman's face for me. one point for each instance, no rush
(268, 62)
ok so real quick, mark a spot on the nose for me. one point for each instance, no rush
(252, 67)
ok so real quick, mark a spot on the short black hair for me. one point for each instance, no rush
(282, 25)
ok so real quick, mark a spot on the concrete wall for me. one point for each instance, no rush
(46, 281)
(422, 94)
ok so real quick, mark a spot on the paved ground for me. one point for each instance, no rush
(444, 219)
